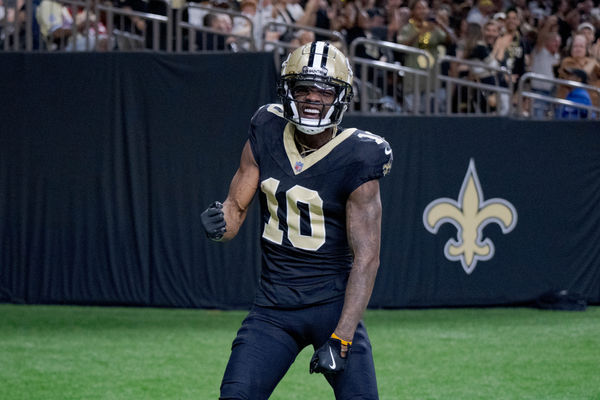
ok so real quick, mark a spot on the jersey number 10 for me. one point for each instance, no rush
(295, 195)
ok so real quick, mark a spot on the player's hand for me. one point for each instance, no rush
(331, 357)
(213, 221)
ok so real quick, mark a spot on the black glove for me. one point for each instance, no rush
(328, 358)
(213, 221)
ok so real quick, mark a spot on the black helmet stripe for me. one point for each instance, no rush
(311, 58)
(318, 55)
(324, 57)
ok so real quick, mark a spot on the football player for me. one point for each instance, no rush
(319, 197)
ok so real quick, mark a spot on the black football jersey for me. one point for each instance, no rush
(305, 254)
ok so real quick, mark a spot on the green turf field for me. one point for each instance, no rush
(62, 352)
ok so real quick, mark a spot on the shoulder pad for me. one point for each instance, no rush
(266, 113)
(375, 150)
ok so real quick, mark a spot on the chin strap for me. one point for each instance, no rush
(310, 130)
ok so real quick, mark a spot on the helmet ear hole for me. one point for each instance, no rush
(282, 88)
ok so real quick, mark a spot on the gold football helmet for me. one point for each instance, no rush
(315, 66)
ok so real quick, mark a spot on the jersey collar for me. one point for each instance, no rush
(300, 164)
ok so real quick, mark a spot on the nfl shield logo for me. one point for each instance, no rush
(298, 166)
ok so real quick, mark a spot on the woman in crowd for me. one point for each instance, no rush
(580, 59)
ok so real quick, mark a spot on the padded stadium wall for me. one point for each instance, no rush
(107, 161)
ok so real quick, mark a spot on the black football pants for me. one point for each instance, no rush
(269, 341)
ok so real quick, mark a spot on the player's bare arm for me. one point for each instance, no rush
(241, 191)
(223, 221)
(363, 220)
(363, 225)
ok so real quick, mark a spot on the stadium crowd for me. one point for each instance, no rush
(558, 39)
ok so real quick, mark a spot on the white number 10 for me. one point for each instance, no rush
(295, 195)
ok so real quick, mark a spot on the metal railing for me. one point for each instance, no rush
(202, 38)
(281, 48)
(537, 104)
(16, 27)
(382, 85)
(125, 36)
(485, 90)
(155, 32)
(78, 30)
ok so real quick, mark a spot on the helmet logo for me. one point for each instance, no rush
(322, 71)
(470, 214)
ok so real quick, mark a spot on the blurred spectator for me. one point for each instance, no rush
(130, 24)
(57, 25)
(424, 32)
(473, 48)
(217, 40)
(478, 47)
(545, 57)
(196, 15)
(129, 27)
(587, 29)
(225, 23)
(579, 59)
(582, 12)
(302, 37)
(164, 8)
(539, 10)
(243, 26)
(462, 8)
(396, 15)
(286, 12)
(294, 9)
(576, 95)
(322, 16)
(461, 37)
(481, 13)
(500, 20)
(511, 49)
(376, 23)
(491, 33)
(280, 13)
(443, 14)
(595, 50)
(354, 24)
(13, 31)
(561, 9)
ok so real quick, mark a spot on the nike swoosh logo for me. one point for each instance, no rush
(387, 151)
(332, 366)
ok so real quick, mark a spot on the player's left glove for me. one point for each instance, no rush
(331, 357)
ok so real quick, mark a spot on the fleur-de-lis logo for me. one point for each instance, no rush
(470, 214)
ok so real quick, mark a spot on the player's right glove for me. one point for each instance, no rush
(328, 358)
(213, 221)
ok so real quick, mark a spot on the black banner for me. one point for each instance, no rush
(534, 204)
(107, 161)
